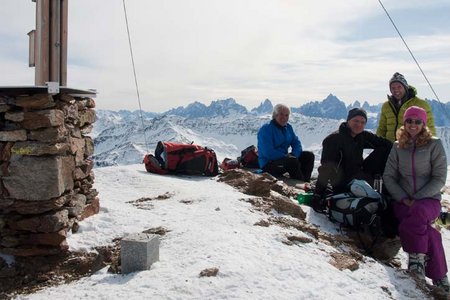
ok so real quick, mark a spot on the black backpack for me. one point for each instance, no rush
(353, 211)
(358, 209)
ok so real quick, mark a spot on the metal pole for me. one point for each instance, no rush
(42, 42)
(55, 41)
(64, 39)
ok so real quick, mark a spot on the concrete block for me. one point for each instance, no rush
(138, 252)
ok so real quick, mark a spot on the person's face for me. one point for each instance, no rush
(282, 117)
(356, 125)
(398, 90)
(413, 126)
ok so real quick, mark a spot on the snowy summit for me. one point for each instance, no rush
(212, 225)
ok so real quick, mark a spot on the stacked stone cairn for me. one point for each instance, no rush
(46, 173)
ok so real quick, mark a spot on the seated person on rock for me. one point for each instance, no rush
(274, 140)
(342, 157)
(415, 173)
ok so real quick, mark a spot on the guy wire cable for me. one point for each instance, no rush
(415, 60)
(135, 77)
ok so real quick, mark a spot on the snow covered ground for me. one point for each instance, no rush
(210, 226)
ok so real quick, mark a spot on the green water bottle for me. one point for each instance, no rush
(305, 198)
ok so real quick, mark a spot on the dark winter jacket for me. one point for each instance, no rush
(342, 157)
(274, 142)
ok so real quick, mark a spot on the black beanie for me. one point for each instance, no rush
(356, 112)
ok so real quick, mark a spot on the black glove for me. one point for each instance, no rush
(318, 203)
(290, 155)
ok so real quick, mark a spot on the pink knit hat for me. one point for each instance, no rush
(415, 112)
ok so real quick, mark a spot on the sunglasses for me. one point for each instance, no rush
(411, 121)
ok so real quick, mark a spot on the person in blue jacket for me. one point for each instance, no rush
(274, 140)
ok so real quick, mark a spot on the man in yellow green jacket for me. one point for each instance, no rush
(403, 96)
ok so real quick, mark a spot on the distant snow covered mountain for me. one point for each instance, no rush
(265, 107)
(123, 143)
(331, 107)
(225, 126)
(218, 108)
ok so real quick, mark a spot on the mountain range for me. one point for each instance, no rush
(124, 137)
(331, 108)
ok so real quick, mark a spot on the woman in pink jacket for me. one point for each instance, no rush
(415, 173)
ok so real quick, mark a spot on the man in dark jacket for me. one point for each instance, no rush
(274, 140)
(342, 157)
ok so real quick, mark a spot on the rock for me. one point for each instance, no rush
(284, 205)
(53, 176)
(43, 118)
(209, 272)
(76, 132)
(2, 222)
(77, 147)
(14, 116)
(89, 103)
(50, 134)
(13, 135)
(87, 129)
(91, 209)
(301, 239)
(89, 146)
(343, 261)
(87, 117)
(51, 222)
(9, 241)
(70, 112)
(37, 207)
(76, 205)
(36, 250)
(37, 101)
(66, 98)
(51, 239)
(5, 151)
(4, 107)
(39, 149)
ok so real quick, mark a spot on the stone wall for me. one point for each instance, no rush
(46, 175)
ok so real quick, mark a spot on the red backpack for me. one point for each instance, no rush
(174, 158)
(249, 157)
(228, 164)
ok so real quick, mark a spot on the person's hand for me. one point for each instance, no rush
(408, 202)
(318, 202)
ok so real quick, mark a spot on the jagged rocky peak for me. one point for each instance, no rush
(196, 105)
(332, 99)
(216, 108)
(331, 107)
(226, 107)
(366, 106)
(355, 104)
(192, 110)
(265, 107)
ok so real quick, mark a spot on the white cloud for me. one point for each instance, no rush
(285, 50)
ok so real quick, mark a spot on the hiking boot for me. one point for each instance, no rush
(444, 219)
(443, 284)
(416, 265)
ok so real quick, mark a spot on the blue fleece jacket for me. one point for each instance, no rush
(274, 142)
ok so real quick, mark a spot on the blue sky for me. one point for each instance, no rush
(290, 51)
